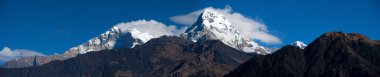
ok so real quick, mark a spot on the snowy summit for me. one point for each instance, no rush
(212, 25)
(113, 38)
(299, 44)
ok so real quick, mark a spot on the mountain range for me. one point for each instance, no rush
(113, 38)
(210, 25)
(211, 47)
(164, 56)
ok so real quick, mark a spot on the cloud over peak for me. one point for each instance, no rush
(150, 26)
(7, 54)
(249, 27)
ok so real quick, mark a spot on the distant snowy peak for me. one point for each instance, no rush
(212, 25)
(113, 38)
(299, 44)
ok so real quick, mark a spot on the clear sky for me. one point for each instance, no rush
(53, 26)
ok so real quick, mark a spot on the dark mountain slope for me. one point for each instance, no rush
(333, 54)
(287, 61)
(164, 56)
(339, 54)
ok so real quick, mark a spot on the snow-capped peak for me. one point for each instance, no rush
(212, 25)
(299, 44)
(113, 38)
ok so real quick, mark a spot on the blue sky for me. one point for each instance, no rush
(53, 26)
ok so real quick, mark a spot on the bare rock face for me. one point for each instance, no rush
(334, 54)
(160, 57)
(31, 61)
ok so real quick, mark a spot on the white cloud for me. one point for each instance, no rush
(249, 27)
(151, 26)
(187, 19)
(7, 54)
